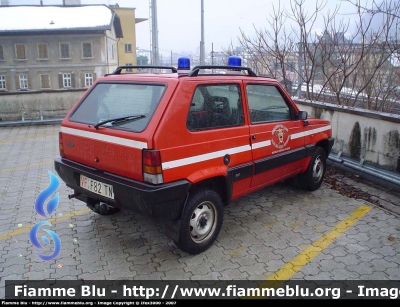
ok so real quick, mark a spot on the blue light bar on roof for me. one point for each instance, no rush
(183, 63)
(183, 66)
(234, 61)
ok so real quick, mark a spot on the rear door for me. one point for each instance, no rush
(277, 140)
(204, 134)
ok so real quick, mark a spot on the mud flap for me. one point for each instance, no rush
(172, 229)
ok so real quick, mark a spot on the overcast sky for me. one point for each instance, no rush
(179, 21)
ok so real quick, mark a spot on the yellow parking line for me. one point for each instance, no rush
(29, 137)
(298, 262)
(26, 229)
(25, 167)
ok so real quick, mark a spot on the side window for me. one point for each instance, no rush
(45, 81)
(3, 82)
(64, 51)
(129, 69)
(215, 106)
(42, 51)
(66, 80)
(128, 48)
(87, 50)
(1, 53)
(20, 52)
(266, 104)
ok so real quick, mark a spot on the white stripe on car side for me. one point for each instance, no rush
(189, 160)
(261, 144)
(221, 153)
(105, 138)
(312, 131)
(204, 157)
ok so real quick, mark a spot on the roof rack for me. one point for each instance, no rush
(118, 70)
(195, 70)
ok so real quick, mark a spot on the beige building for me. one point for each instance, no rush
(127, 45)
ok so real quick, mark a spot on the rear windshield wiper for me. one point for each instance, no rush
(119, 120)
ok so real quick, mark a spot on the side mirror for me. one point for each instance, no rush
(302, 115)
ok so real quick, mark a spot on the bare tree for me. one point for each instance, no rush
(311, 60)
(361, 69)
(270, 52)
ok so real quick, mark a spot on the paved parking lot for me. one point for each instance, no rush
(280, 232)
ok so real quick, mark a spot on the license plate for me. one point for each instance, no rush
(97, 187)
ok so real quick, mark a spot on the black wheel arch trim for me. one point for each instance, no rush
(237, 173)
(269, 163)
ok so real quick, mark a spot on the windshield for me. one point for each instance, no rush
(109, 101)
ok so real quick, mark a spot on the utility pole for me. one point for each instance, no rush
(202, 49)
(300, 77)
(154, 33)
(212, 53)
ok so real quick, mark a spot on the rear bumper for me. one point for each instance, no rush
(163, 201)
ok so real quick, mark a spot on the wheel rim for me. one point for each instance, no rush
(318, 169)
(203, 221)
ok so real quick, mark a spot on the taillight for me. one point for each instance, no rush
(152, 170)
(60, 144)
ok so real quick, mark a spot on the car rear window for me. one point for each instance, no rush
(116, 100)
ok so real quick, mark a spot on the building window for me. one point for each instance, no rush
(45, 81)
(129, 69)
(1, 53)
(23, 82)
(88, 80)
(2, 82)
(87, 50)
(42, 51)
(64, 51)
(20, 52)
(113, 52)
(128, 48)
(67, 80)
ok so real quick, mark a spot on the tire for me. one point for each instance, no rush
(102, 209)
(313, 177)
(201, 221)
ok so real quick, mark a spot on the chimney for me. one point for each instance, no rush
(71, 2)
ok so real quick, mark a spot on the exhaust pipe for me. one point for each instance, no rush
(73, 195)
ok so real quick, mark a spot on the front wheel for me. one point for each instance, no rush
(313, 177)
(201, 221)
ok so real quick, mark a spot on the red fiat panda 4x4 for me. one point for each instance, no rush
(181, 146)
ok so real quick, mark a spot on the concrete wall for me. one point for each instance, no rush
(364, 134)
(54, 104)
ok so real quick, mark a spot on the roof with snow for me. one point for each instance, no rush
(31, 19)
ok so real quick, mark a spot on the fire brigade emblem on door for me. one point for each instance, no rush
(280, 136)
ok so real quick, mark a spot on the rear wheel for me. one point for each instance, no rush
(313, 177)
(201, 221)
